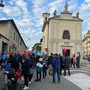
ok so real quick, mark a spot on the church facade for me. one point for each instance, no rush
(62, 31)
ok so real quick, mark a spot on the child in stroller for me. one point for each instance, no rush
(12, 80)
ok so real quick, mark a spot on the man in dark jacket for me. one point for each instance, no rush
(78, 61)
(56, 68)
(67, 62)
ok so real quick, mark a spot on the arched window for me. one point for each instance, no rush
(66, 35)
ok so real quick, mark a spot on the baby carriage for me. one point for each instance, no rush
(12, 80)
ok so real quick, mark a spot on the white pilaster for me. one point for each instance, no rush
(76, 34)
(51, 47)
(57, 30)
(57, 47)
(52, 29)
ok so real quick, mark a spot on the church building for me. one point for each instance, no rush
(62, 31)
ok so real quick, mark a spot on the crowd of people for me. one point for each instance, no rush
(26, 64)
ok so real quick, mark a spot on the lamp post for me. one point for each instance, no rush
(1, 3)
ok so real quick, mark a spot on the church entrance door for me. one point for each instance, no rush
(67, 53)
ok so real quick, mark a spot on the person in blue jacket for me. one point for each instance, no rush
(7, 68)
(56, 68)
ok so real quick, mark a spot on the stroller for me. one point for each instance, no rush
(12, 80)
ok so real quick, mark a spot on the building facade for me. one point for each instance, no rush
(9, 30)
(3, 44)
(37, 47)
(86, 44)
(62, 31)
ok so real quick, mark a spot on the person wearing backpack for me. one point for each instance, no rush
(56, 68)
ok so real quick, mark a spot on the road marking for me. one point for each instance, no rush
(80, 79)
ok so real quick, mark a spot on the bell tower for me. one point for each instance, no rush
(45, 17)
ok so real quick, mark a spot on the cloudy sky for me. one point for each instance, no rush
(27, 15)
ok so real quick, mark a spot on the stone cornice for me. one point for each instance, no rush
(65, 41)
(80, 20)
(66, 46)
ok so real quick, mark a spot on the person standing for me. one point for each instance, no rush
(62, 64)
(78, 61)
(39, 69)
(72, 62)
(45, 67)
(67, 62)
(50, 59)
(56, 68)
(25, 72)
(15, 63)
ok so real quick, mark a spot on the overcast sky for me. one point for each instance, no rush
(27, 15)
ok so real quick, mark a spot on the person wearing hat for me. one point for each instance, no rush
(39, 69)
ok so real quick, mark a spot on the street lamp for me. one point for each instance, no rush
(1, 3)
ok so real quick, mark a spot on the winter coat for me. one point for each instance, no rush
(56, 63)
(20, 58)
(45, 67)
(39, 67)
(8, 67)
(15, 64)
(25, 68)
(50, 59)
(78, 59)
(67, 61)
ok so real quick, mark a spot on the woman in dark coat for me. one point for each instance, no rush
(25, 71)
(15, 63)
